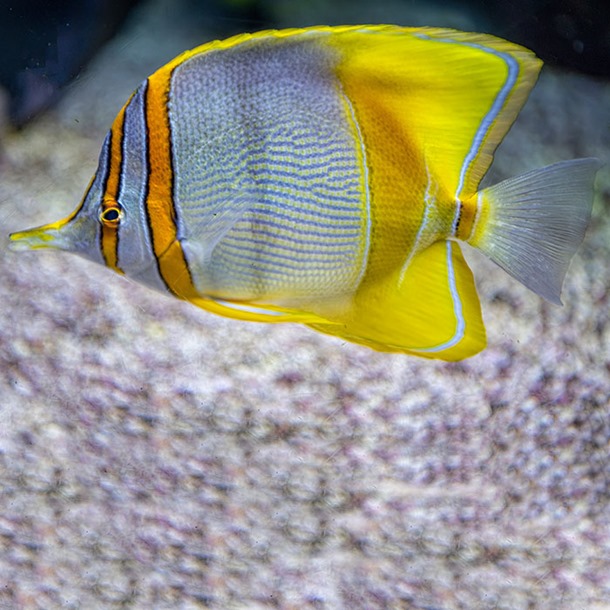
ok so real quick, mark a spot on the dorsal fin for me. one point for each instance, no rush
(452, 94)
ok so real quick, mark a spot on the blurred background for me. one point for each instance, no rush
(155, 456)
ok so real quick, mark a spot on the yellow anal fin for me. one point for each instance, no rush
(431, 310)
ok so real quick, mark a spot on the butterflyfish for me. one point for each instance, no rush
(327, 176)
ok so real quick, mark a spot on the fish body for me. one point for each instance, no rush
(326, 176)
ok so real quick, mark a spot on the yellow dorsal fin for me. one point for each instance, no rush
(432, 311)
(451, 95)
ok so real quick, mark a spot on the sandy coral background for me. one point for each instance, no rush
(155, 456)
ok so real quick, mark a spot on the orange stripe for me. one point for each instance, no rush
(110, 238)
(161, 213)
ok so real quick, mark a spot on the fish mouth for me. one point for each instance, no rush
(46, 236)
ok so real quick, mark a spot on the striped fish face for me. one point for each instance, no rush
(126, 243)
(111, 225)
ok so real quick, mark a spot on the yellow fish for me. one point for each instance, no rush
(326, 176)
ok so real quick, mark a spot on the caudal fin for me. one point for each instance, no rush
(533, 224)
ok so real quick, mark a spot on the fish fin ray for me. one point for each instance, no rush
(533, 224)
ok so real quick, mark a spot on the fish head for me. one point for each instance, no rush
(109, 226)
(77, 233)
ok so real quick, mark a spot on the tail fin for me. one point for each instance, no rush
(532, 225)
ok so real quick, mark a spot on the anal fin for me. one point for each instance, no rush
(431, 309)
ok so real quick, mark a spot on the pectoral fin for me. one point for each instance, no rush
(209, 227)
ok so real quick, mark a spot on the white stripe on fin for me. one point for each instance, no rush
(460, 326)
(261, 311)
(429, 208)
(489, 119)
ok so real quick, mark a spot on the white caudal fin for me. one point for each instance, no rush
(535, 222)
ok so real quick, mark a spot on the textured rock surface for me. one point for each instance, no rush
(152, 455)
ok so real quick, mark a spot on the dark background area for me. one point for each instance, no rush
(45, 44)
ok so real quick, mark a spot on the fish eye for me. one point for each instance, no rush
(111, 216)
